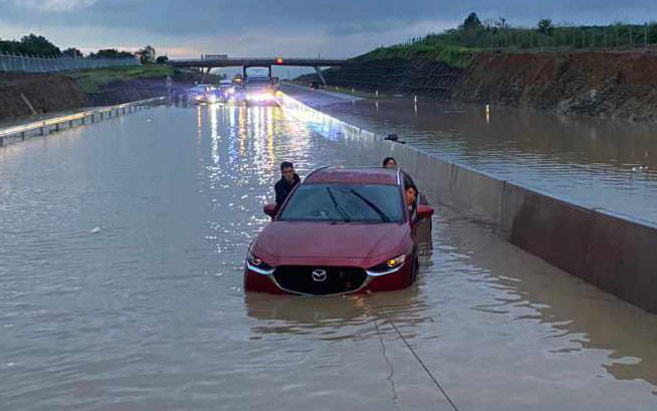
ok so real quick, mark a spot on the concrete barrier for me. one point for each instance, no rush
(50, 125)
(614, 252)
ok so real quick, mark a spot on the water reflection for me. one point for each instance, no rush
(579, 319)
(597, 163)
(148, 312)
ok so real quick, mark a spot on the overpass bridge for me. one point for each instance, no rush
(268, 62)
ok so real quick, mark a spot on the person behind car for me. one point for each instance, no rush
(289, 180)
(389, 162)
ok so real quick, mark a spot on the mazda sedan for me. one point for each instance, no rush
(341, 231)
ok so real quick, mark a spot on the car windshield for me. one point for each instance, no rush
(348, 203)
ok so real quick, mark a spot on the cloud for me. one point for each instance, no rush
(54, 5)
(249, 27)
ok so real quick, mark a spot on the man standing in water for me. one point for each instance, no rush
(288, 181)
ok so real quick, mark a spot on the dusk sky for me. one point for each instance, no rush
(336, 28)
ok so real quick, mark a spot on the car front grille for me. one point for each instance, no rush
(320, 280)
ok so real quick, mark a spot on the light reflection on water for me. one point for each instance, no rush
(599, 164)
(148, 312)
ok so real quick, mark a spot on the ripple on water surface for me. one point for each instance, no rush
(595, 163)
(148, 310)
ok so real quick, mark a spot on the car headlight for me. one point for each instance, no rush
(255, 263)
(389, 266)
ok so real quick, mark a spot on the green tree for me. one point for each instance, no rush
(472, 22)
(147, 54)
(545, 26)
(502, 23)
(471, 28)
(111, 54)
(38, 46)
(72, 52)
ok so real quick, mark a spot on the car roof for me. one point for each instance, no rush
(357, 175)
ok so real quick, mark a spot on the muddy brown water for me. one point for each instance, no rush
(121, 249)
(595, 163)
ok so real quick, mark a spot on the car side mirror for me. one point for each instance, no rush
(424, 211)
(270, 209)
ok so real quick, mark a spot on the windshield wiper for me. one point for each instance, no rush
(373, 206)
(338, 207)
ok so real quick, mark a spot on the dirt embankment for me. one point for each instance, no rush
(25, 95)
(604, 84)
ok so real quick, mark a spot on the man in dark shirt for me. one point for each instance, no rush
(288, 181)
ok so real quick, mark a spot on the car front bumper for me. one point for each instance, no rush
(256, 281)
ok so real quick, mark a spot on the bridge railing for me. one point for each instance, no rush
(34, 64)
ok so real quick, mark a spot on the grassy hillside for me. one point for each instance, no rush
(90, 81)
(453, 55)
(457, 46)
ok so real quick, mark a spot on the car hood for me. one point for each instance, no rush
(281, 241)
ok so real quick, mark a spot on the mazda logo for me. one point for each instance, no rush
(319, 275)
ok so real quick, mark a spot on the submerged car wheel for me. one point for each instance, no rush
(414, 270)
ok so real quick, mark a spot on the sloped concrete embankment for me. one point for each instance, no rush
(610, 251)
(601, 84)
(417, 76)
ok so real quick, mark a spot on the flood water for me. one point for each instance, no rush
(121, 250)
(596, 163)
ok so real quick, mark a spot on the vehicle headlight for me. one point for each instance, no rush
(389, 266)
(255, 263)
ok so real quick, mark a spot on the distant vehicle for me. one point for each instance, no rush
(227, 90)
(214, 56)
(341, 231)
(314, 85)
(259, 90)
(203, 93)
(275, 83)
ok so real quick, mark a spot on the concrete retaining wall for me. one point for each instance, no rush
(616, 253)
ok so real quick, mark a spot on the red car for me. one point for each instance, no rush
(341, 231)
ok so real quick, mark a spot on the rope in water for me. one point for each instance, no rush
(417, 357)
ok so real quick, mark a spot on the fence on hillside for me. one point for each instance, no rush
(34, 64)
(566, 37)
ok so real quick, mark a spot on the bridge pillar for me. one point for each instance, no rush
(205, 74)
(320, 75)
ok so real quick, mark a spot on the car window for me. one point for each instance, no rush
(356, 203)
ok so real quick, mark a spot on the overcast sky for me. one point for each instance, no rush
(303, 28)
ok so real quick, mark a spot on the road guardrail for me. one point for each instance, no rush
(47, 126)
